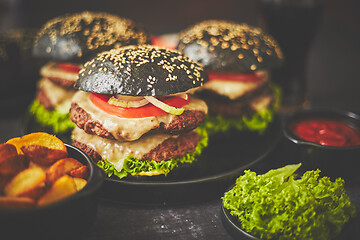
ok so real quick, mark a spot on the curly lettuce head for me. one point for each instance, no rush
(257, 122)
(134, 166)
(58, 119)
(275, 205)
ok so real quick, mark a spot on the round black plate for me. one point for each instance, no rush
(221, 162)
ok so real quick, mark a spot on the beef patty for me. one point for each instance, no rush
(44, 99)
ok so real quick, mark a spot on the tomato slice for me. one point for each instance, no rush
(69, 67)
(243, 77)
(161, 42)
(149, 110)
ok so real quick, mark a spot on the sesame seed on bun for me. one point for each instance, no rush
(73, 37)
(228, 46)
(140, 71)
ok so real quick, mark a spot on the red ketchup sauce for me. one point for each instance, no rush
(327, 132)
(69, 67)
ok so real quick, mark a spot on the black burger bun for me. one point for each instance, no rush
(140, 71)
(78, 37)
(228, 46)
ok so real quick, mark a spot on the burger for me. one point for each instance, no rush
(168, 40)
(133, 111)
(237, 58)
(64, 43)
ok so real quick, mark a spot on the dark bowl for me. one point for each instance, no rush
(233, 226)
(331, 160)
(69, 218)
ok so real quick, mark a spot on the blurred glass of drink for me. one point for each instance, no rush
(293, 23)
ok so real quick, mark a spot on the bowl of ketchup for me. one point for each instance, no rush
(328, 139)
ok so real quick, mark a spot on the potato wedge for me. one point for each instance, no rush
(62, 188)
(43, 155)
(81, 172)
(27, 183)
(16, 203)
(60, 168)
(4, 180)
(7, 151)
(38, 138)
(34, 165)
(10, 162)
(80, 183)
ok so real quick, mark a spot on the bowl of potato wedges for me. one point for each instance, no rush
(48, 188)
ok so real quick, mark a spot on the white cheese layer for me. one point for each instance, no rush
(261, 103)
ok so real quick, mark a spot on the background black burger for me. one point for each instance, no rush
(66, 42)
(237, 58)
(134, 113)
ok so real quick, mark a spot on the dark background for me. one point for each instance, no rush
(331, 76)
(331, 68)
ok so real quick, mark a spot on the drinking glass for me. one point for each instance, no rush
(293, 23)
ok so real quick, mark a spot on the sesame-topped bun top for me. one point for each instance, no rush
(140, 71)
(227, 46)
(81, 36)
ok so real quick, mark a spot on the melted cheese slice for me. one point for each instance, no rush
(114, 151)
(233, 89)
(56, 94)
(124, 129)
(260, 104)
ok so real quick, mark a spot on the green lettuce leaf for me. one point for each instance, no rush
(257, 122)
(275, 205)
(134, 166)
(57, 120)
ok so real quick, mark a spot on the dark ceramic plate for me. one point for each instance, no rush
(332, 161)
(233, 226)
(223, 160)
(349, 118)
(70, 217)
